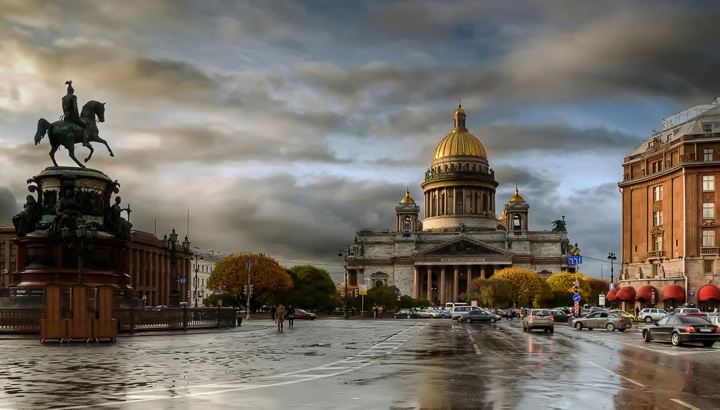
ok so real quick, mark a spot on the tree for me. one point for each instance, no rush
(523, 284)
(383, 296)
(597, 286)
(476, 288)
(313, 289)
(561, 284)
(228, 299)
(406, 302)
(495, 292)
(266, 275)
(546, 296)
(421, 302)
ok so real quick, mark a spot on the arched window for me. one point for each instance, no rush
(378, 283)
(407, 223)
(517, 222)
(459, 203)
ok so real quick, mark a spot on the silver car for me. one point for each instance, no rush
(603, 319)
(648, 315)
(539, 319)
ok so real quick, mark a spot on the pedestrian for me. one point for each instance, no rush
(352, 311)
(280, 317)
(380, 311)
(273, 312)
(715, 310)
(510, 314)
(637, 312)
(375, 312)
(290, 315)
(238, 316)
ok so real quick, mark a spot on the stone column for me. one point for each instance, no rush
(469, 277)
(442, 286)
(437, 202)
(454, 201)
(416, 288)
(429, 283)
(482, 272)
(455, 284)
(154, 279)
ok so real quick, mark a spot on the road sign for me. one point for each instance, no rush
(692, 294)
(399, 294)
(612, 285)
(574, 260)
(601, 301)
(577, 309)
(576, 298)
(363, 289)
(183, 280)
(576, 275)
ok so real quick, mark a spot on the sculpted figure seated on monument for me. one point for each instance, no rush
(24, 222)
(117, 225)
(67, 211)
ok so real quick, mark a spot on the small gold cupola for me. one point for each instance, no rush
(459, 119)
(517, 196)
(407, 198)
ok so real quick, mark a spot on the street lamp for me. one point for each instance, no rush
(197, 267)
(170, 248)
(348, 254)
(611, 257)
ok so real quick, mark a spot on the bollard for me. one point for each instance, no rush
(218, 315)
(185, 317)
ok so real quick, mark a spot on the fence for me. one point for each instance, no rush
(131, 320)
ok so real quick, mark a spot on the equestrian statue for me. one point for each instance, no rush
(73, 128)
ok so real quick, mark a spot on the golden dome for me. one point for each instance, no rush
(407, 198)
(502, 216)
(516, 197)
(460, 141)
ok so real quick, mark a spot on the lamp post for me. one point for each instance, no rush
(248, 289)
(611, 257)
(170, 245)
(348, 254)
(197, 268)
(77, 241)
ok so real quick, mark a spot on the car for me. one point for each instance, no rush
(688, 311)
(679, 329)
(602, 319)
(714, 318)
(303, 314)
(480, 316)
(623, 313)
(403, 314)
(559, 316)
(426, 314)
(443, 314)
(460, 311)
(648, 315)
(539, 319)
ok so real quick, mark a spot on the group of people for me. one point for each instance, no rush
(279, 314)
(377, 312)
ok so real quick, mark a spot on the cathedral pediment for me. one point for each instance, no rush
(464, 246)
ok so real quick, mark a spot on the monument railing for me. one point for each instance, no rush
(130, 320)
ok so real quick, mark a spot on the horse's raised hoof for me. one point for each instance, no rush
(87, 159)
(112, 155)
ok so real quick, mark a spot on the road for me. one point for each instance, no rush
(363, 364)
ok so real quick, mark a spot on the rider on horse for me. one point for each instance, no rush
(70, 111)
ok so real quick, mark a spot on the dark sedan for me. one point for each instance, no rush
(480, 316)
(560, 316)
(301, 314)
(679, 329)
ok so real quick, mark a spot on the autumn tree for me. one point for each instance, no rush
(495, 292)
(546, 296)
(597, 286)
(562, 284)
(266, 276)
(523, 284)
(476, 288)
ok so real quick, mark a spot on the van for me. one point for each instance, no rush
(460, 311)
(450, 305)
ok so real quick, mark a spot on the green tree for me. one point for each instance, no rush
(406, 302)
(228, 300)
(476, 288)
(313, 289)
(421, 302)
(523, 284)
(383, 296)
(495, 292)
(266, 275)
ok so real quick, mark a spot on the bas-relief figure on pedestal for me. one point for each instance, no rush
(116, 224)
(25, 221)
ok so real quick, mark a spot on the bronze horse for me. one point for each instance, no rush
(67, 134)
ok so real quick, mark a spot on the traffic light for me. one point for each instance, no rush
(251, 290)
(576, 288)
(356, 293)
(342, 293)
(245, 290)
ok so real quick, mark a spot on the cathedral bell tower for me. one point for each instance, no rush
(407, 212)
(516, 213)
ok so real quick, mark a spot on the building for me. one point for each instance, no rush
(669, 213)
(148, 267)
(460, 236)
(203, 266)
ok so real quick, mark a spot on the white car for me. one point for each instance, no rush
(714, 318)
(426, 313)
(648, 315)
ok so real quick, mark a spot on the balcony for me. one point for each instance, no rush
(709, 251)
(656, 254)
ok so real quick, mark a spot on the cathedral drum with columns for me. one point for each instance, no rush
(461, 236)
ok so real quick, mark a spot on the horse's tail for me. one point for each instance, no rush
(42, 128)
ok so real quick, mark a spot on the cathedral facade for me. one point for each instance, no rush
(461, 236)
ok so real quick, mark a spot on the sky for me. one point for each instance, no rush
(283, 127)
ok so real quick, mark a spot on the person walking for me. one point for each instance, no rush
(280, 317)
(637, 312)
(238, 316)
(290, 315)
(375, 312)
(273, 311)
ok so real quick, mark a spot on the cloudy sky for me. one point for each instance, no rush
(284, 127)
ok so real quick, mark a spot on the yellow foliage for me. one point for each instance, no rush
(266, 275)
(523, 284)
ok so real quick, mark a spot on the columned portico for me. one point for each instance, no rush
(455, 284)
(443, 299)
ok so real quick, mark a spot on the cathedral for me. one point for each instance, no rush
(461, 236)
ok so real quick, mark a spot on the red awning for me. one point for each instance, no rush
(626, 294)
(645, 293)
(612, 295)
(674, 292)
(708, 292)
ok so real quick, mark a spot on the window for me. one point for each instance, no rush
(708, 239)
(708, 182)
(658, 243)
(708, 155)
(657, 166)
(657, 218)
(709, 266)
(707, 128)
(657, 193)
(459, 204)
(708, 210)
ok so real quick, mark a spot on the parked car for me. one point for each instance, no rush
(679, 329)
(688, 311)
(426, 314)
(443, 314)
(481, 316)
(648, 315)
(539, 319)
(560, 316)
(302, 314)
(460, 311)
(624, 314)
(714, 318)
(602, 319)
(403, 314)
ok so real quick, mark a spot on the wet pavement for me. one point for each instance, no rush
(363, 364)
